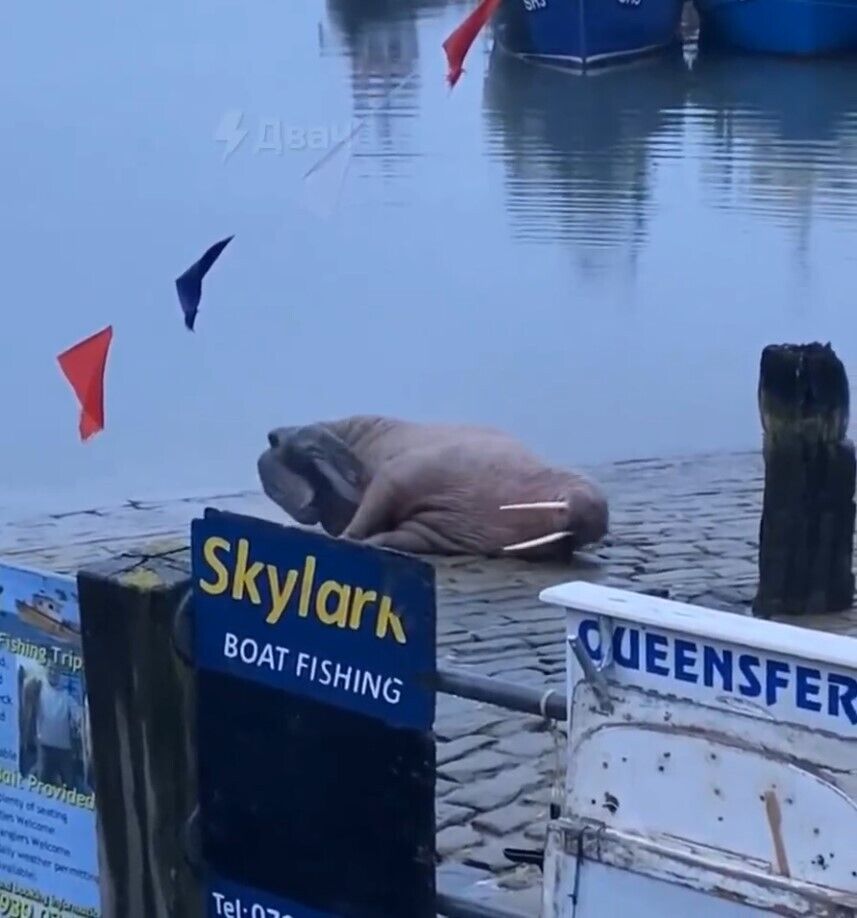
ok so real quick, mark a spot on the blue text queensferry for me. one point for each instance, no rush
(728, 670)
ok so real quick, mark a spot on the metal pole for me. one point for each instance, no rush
(542, 703)
(456, 907)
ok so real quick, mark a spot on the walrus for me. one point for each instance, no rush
(438, 489)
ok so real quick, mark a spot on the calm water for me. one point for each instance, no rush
(594, 264)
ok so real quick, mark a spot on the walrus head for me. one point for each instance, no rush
(313, 475)
(580, 518)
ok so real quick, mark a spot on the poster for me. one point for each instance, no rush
(48, 844)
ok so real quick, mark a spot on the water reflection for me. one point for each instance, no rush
(580, 153)
(380, 40)
(379, 37)
(781, 136)
(663, 189)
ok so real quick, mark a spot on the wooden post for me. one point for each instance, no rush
(806, 535)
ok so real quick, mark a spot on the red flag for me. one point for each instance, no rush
(83, 366)
(459, 42)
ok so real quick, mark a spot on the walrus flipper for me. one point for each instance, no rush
(375, 514)
(405, 540)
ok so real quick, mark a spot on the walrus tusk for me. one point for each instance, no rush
(538, 505)
(541, 540)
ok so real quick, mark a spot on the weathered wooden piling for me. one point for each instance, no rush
(141, 700)
(806, 534)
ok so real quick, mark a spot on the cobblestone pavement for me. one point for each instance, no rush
(689, 526)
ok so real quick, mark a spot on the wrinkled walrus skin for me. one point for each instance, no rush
(430, 489)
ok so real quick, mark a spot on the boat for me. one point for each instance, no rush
(701, 777)
(45, 613)
(794, 28)
(585, 34)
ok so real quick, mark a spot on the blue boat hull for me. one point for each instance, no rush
(803, 28)
(584, 33)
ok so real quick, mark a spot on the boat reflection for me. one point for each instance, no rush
(380, 39)
(782, 135)
(580, 153)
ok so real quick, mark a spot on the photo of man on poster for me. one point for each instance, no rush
(51, 728)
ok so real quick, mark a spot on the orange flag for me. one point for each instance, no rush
(83, 366)
(459, 42)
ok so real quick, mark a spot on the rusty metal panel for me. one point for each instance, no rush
(560, 874)
(779, 797)
(604, 890)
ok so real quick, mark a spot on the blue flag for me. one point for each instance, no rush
(189, 284)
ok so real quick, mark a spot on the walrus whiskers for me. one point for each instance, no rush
(538, 505)
(541, 540)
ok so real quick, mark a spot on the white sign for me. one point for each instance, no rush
(710, 763)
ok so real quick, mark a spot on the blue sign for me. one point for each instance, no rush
(336, 621)
(315, 706)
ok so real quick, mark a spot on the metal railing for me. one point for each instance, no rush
(548, 704)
